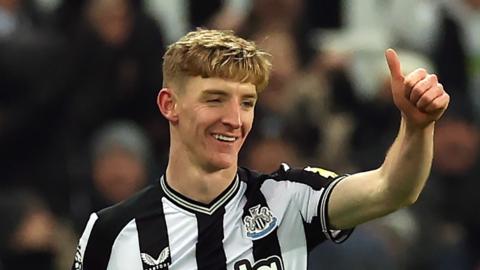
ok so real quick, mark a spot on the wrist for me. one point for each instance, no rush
(411, 128)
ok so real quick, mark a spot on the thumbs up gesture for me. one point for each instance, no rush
(418, 95)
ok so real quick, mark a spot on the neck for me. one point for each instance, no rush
(195, 182)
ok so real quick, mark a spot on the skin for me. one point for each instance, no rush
(399, 180)
(201, 167)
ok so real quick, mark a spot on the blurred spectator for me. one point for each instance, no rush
(333, 109)
(121, 165)
(457, 53)
(117, 65)
(371, 247)
(31, 237)
(171, 15)
(447, 31)
(178, 16)
(377, 119)
(455, 169)
(31, 78)
(115, 72)
(266, 155)
(18, 19)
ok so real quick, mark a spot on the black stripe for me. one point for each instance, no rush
(99, 246)
(109, 224)
(209, 250)
(153, 236)
(313, 233)
(311, 179)
(267, 246)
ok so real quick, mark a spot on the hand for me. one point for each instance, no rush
(419, 96)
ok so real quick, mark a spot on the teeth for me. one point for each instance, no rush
(224, 138)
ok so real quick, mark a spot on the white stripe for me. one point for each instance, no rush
(288, 201)
(198, 208)
(182, 235)
(236, 245)
(293, 244)
(83, 242)
(126, 249)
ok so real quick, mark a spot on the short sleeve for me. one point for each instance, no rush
(310, 190)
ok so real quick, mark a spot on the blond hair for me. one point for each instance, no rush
(214, 53)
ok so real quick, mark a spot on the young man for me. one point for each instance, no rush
(206, 213)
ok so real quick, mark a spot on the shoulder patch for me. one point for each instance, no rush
(321, 172)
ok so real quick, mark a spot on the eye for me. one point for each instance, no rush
(214, 100)
(248, 104)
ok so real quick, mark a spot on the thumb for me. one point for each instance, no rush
(394, 64)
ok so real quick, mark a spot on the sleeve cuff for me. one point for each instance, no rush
(336, 236)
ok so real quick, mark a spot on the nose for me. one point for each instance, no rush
(232, 115)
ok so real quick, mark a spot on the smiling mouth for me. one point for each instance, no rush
(224, 138)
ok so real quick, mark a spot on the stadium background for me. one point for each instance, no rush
(79, 128)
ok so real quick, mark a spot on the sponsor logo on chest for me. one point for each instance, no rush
(270, 263)
(162, 262)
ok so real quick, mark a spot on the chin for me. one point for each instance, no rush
(221, 163)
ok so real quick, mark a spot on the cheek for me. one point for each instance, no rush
(248, 123)
(201, 118)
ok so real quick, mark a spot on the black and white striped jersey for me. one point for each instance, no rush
(260, 222)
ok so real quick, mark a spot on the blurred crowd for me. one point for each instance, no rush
(79, 127)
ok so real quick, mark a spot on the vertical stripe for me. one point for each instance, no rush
(291, 237)
(153, 239)
(182, 233)
(236, 245)
(268, 245)
(82, 244)
(103, 235)
(292, 203)
(125, 253)
(111, 221)
(210, 254)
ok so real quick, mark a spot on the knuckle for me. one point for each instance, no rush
(439, 90)
(410, 83)
(421, 71)
(417, 90)
(420, 103)
(425, 99)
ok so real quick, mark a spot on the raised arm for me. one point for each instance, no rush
(398, 182)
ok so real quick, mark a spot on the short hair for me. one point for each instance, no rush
(215, 53)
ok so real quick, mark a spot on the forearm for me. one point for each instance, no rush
(407, 165)
(402, 176)
(395, 184)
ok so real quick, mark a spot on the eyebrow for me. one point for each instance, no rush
(207, 92)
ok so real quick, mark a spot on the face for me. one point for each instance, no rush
(112, 20)
(214, 117)
(118, 174)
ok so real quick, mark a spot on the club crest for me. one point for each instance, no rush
(260, 222)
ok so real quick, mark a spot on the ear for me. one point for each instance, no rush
(167, 103)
